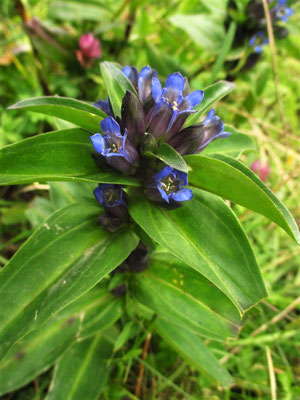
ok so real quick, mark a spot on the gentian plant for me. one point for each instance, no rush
(143, 235)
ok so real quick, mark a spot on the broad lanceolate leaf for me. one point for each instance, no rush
(61, 261)
(206, 234)
(39, 349)
(212, 94)
(60, 156)
(82, 371)
(183, 296)
(192, 349)
(170, 157)
(232, 180)
(233, 146)
(75, 111)
(116, 84)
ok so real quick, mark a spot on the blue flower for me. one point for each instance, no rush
(283, 12)
(169, 184)
(117, 150)
(258, 41)
(172, 107)
(109, 195)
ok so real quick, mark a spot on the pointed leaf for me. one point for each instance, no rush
(82, 371)
(182, 296)
(193, 350)
(116, 84)
(212, 94)
(39, 349)
(232, 180)
(62, 260)
(71, 110)
(55, 156)
(206, 235)
(170, 157)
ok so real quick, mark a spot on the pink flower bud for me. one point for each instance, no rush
(262, 170)
(90, 49)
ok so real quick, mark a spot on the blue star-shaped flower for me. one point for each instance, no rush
(283, 12)
(258, 41)
(115, 147)
(109, 195)
(169, 182)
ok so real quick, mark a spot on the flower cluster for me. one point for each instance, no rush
(150, 115)
(279, 12)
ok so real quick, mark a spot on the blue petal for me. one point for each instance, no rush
(104, 106)
(175, 81)
(98, 193)
(195, 98)
(252, 41)
(182, 176)
(289, 12)
(258, 49)
(163, 194)
(182, 195)
(163, 173)
(156, 89)
(209, 116)
(144, 71)
(126, 71)
(98, 142)
(109, 126)
(281, 3)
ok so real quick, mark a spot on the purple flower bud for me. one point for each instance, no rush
(133, 117)
(195, 138)
(114, 201)
(89, 50)
(262, 170)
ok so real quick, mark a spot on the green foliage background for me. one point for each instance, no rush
(186, 36)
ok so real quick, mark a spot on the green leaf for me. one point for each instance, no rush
(193, 350)
(39, 349)
(116, 84)
(82, 371)
(232, 180)
(206, 30)
(54, 156)
(61, 261)
(212, 94)
(71, 110)
(234, 145)
(78, 11)
(206, 235)
(226, 46)
(182, 296)
(170, 157)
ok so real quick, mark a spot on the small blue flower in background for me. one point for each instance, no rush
(172, 108)
(283, 12)
(115, 147)
(169, 183)
(109, 195)
(258, 41)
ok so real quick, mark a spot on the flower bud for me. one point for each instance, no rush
(89, 50)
